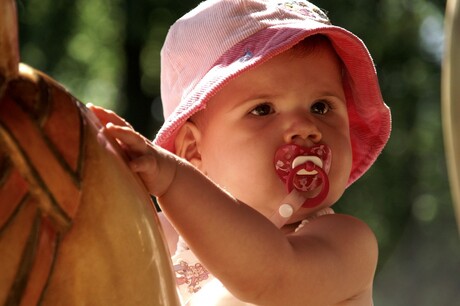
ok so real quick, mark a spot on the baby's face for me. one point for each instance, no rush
(291, 98)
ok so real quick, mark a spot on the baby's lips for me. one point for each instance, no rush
(290, 156)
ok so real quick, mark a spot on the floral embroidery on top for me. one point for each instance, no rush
(247, 56)
(307, 9)
(192, 275)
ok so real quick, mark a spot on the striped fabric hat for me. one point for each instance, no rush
(220, 39)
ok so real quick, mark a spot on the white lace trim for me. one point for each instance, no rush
(322, 212)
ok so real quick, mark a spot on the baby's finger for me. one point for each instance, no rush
(133, 142)
(149, 169)
(107, 116)
(144, 163)
(146, 167)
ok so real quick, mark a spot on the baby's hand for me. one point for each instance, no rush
(155, 166)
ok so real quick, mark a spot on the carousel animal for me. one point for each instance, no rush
(76, 226)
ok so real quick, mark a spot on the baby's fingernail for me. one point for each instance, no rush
(109, 125)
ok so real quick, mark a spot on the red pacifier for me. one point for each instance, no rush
(304, 169)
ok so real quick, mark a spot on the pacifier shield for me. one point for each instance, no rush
(290, 156)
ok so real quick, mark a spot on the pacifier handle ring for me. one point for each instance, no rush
(309, 166)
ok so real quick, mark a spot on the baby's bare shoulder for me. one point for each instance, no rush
(346, 234)
(336, 226)
(339, 243)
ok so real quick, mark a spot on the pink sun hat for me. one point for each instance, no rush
(220, 39)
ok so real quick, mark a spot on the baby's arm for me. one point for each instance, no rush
(328, 261)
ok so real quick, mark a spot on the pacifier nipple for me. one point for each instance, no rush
(304, 169)
(310, 162)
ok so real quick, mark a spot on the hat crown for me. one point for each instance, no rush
(198, 39)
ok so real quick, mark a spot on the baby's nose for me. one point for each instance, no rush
(302, 129)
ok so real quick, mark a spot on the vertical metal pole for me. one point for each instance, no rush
(450, 99)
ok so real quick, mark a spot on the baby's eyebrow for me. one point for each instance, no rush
(327, 94)
(259, 96)
(250, 98)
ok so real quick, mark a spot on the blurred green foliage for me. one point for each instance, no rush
(107, 52)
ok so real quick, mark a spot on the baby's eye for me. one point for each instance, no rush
(262, 110)
(320, 107)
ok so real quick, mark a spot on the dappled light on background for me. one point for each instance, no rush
(90, 61)
(432, 35)
(425, 208)
(95, 50)
(159, 20)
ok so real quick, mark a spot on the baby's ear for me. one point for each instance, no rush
(187, 143)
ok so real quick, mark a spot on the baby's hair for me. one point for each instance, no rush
(311, 44)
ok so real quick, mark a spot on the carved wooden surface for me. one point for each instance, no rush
(77, 227)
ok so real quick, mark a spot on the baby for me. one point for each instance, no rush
(271, 113)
